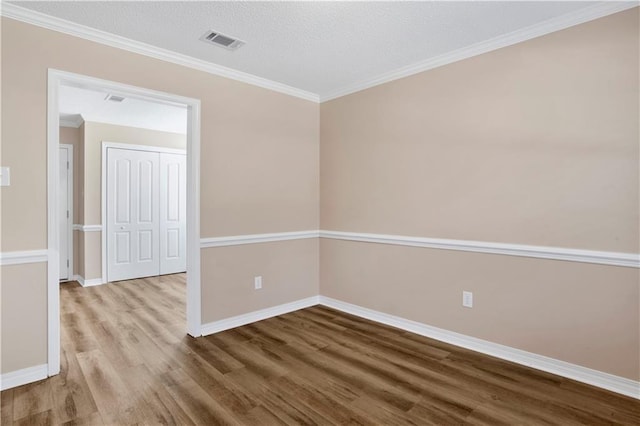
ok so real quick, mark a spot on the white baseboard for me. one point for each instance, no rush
(244, 319)
(87, 283)
(561, 368)
(24, 376)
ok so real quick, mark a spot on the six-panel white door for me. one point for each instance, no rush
(133, 222)
(173, 211)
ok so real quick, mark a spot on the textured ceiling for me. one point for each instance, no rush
(319, 47)
(91, 104)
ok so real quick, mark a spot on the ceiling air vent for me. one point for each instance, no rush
(221, 40)
(114, 98)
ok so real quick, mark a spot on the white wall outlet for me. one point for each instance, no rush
(257, 282)
(5, 176)
(467, 299)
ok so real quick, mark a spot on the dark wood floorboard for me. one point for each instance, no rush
(127, 360)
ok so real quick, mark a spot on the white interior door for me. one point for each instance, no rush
(65, 201)
(173, 212)
(133, 223)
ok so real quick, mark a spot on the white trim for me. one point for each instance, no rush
(631, 260)
(23, 257)
(106, 145)
(70, 196)
(23, 376)
(53, 224)
(87, 228)
(77, 30)
(194, 286)
(103, 190)
(561, 368)
(70, 122)
(55, 79)
(570, 19)
(251, 317)
(256, 238)
(87, 283)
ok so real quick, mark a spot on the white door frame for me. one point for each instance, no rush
(70, 195)
(105, 146)
(57, 78)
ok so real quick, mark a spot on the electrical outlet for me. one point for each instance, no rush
(257, 282)
(467, 299)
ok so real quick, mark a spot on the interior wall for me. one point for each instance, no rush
(259, 170)
(94, 135)
(537, 144)
(23, 302)
(73, 136)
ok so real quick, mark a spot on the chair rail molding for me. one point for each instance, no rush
(23, 257)
(87, 228)
(631, 260)
(235, 240)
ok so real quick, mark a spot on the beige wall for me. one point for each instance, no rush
(259, 153)
(291, 265)
(24, 316)
(577, 312)
(537, 143)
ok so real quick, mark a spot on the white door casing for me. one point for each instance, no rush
(133, 223)
(55, 79)
(65, 209)
(173, 211)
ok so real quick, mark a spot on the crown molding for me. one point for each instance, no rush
(28, 16)
(74, 121)
(562, 22)
(581, 16)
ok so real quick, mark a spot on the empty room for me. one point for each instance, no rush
(374, 213)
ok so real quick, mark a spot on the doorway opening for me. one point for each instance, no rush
(58, 81)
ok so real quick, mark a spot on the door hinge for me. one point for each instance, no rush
(67, 263)
(67, 214)
(67, 165)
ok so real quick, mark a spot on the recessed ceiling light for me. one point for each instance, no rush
(221, 40)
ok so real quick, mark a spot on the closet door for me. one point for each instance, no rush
(133, 222)
(173, 209)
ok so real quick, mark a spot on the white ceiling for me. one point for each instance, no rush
(324, 48)
(92, 106)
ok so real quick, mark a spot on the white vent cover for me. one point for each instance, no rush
(221, 40)
(114, 98)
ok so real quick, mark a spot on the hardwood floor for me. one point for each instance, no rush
(126, 360)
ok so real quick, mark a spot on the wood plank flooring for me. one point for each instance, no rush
(126, 360)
